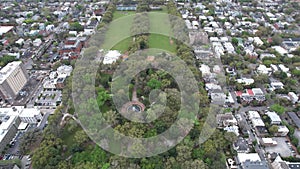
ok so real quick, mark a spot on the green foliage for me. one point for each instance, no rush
(235, 41)
(94, 154)
(6, 59)
(296, 72)
(76, 26)
(277, 108)
(273, 129)
(48, 155)
(143, 6)
(102, 97)
(154, 84)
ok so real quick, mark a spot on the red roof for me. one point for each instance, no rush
(238, 93)
(250, 92)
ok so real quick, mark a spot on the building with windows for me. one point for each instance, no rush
(13, 77)
(8, 129)
(275, 119)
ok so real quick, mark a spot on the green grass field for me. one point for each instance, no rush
(119, 14)
(159, 23)
(160, 28)
(123, 45)
(161, 42)
(118, 30)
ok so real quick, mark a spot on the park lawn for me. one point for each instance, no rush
(161, 42)
(119, 14)
(160, 23)
(123, 45)
(118, 30)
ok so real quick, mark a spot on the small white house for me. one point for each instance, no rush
(293, 97)
(246, 81)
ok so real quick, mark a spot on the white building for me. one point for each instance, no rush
(268, 142)
(276, 85)
(275, 119)
(233, 129)
(111, 57)
(280, 50)
(282, 131)
(13, 78)
(64, 71)
(246, 81)
(293, 97)
(242, 157)
(253, 115)
(283, 68)
(229, 47)
(205, 70)
(262, 69)
(31, 115)
(37, 42)
(258, 41)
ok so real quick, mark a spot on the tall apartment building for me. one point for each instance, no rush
(8, 129)
(13, 78)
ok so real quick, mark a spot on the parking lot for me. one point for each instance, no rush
(282, 147)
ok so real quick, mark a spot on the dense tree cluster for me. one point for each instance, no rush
(140, 31)
(4, 60)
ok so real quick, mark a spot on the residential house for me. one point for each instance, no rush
(245, 81)
(227, 119)
(280, 50)
(276, 85)
(262, 69)
(241, 145)
(293, 97)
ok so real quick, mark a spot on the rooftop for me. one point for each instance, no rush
(274, 116)
(295, 118)
(8, 69)
(242, 157)
(5, 29)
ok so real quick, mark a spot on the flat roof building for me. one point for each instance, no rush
(275, 119)
(294, 118)
(13, 77)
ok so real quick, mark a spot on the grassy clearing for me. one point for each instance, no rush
(159, 23)
(123, 45)
(161, 42)
(117, 36)
(118, 30)
(160, 28)
(119, 14)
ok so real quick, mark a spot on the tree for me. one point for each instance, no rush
(76, 26)
(277, 108)
(29, 140)
(154, 84)
(297, 51)
(48, 155)
(235, 41)
(81, 137)
(273, 129)
(231, 137)
(276, 39)
(262, 79)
